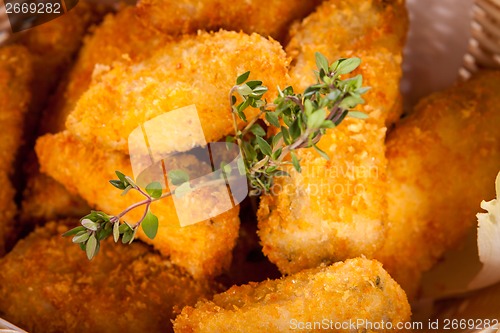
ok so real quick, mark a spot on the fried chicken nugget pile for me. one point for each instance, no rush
(48, 286)
(334, 210)
(271, 18)
(357, 289)
(198, 70)
(443, 159)
(16, 72)
(203, 249)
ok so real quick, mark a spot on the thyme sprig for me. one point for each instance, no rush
(294, 121)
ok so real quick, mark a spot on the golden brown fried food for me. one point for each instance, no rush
(334, 210)
(203, 249)
(268, 19)
(15, 77)
(54, 44)
(120, 37)
(48, 285)
(198, 70)
(44, 199)
(443, 159)
(347, 292)
(8, 211)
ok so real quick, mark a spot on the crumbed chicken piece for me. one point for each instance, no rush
(53, 46)
(443, 159)
(120, 37)
(15, 76)
(187, 16)
(335, 209)
(48, 285)
(345, 297)
(199, 70)
(203, 249)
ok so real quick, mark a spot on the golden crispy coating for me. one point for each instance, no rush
(48, 285)
(8, 211)
(203, 249)
(15, 76)
(120, 37)
(373, 30)
(443, 159)
(334, 210)
(45, 199)
(357, 289)
(271, 18)
(54, 44)
(197, 70)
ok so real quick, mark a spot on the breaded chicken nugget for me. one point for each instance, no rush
(16, 72)
(8, 211)
(15, 77)
(443, 159)
(120, 37)
(47, 286)
(271, 18)
(44, 199)
(334, 210)
(203, 249)
(373, 30)
(357, 291)
(54, 44)
(197, 70)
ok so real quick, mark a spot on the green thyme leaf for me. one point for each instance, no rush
(316, 119)
(358, 115)
(124, 227)
(133, 235)
(295, 162)
(126, 190)
(81, 237)
(272, 118)
(257, 130)
(154, 189)
(350, 102)
(73, 231)
(346, 66)
(241, 166)
(264, 146)
(127, 236)
(121, 176)
(244, 90)
(321, 62)
(118, 184)
(116, 231)
(242, 78)
(178, 177)
(226, 169)
(89, 224)
(254, 84)
(322, 153)
(150, 225)
(102, 234)
(130, 181)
